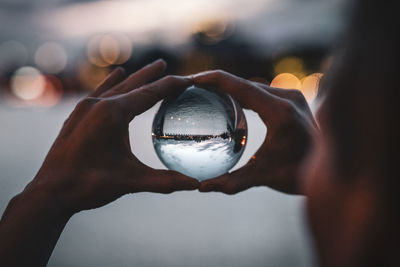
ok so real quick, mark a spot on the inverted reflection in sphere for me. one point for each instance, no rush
(200, 133)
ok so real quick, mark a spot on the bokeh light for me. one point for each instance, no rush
(124, 47)
(214, 30)
(52, 92)
(109, 49)
(27, 83)
(293, 65)
(91, 75)
(51, 57)
(93, 52)
(286, 81)
(309, 86)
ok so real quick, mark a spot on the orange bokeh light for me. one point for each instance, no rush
(27, 83)
(286, 81)
(31, 88)
(109, 49)
(293, 65)
(215, 29)
(309, 86)
(243, 142)
(91, 75)
(52, 93)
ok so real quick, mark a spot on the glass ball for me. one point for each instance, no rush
(201, 133)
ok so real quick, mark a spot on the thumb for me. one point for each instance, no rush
(163, 181)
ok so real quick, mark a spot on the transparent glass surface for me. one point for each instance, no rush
(201, 133)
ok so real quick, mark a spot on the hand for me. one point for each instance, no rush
(91, 163)
(290, 126)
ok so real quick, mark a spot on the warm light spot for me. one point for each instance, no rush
(292, 65)
(90, 75)
(50, 95)
(286, 81)
(27, 83)
(93, 52)
(215, 29)
(109, 49)
(51, 57)
(52, 92)
(243, 143)
(172, 117)
(125, 48)
(310, 85)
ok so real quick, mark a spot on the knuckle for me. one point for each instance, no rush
(170, 78)
(219, 73)
(104, 105)
(87, 102)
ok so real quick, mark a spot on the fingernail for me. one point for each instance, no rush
(203, 188)
(159, 61)
(188, 77)
(120, 69)
(194, 76)
(117, 71)
(194, 185)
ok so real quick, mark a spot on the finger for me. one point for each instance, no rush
(163, 181)
(140, 77)
(138, 101)
(236, 181)
(283, 93)
(290, 94)
(111, 80)
(245, 92)
(215, 184)
(230, 183)
(294, 95)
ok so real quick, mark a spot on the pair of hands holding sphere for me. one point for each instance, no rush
(91, 163)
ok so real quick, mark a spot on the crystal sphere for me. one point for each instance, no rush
(201, 133)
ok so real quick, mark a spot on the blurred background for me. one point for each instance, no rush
(53, 52)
